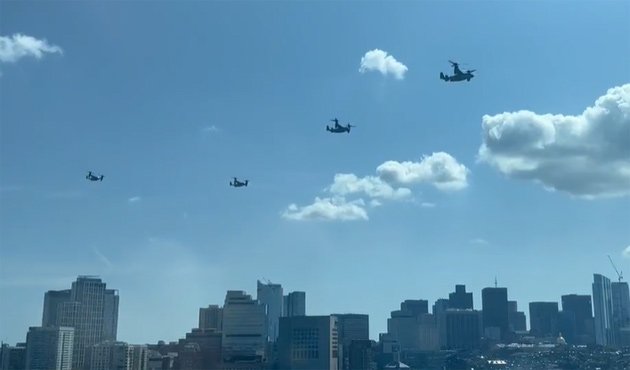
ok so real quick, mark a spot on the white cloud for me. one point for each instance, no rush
(626, 252)
(586, 155)
(18, 46)
(134, 199)
(328, 209)
(379, 60)
(479, 241)
(374, 187)
(210, 129)
(439, 169)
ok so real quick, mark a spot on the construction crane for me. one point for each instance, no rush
(619, 273)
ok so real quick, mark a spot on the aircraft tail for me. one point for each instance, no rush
(443, 77)
(101, 178)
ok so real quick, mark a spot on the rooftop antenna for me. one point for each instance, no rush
(619, 273)
(495, 281)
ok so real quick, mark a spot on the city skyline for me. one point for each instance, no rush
(521, 173)
(417, 305)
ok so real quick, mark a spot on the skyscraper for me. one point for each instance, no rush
(49, 348)
(578, 319)
(603, 307)
(271, 295)
(463, 329)
(211, 317)
(543, 319)
(460, 299)
(92, 310)
(621, 307)
(308, 342)
(351, 327)
(517, 320)
(244, 328)
(495, 313)
(53, 300)
(294, 304)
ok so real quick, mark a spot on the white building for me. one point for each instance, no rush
(49, 348)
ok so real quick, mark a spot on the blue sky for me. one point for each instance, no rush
(453, 183)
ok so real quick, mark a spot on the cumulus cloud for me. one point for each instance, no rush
(379, 60)
(374, 187)
(439, 169)
(18, 46)
(586, 155)
(626, 252)
(328, 209)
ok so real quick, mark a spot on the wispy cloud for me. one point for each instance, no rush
(427, 205)
(210, 129)
(101, 257)
(626, 252)
(379, 60)
(18, 46)
(586, 155)
(134, 199)
(479, 241)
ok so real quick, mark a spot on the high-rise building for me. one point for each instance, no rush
(244, 328)
(308, 343)
(415, 306)
(578, 326)
(13, 357)
(109, 355)
(201, 349)
(516, 318)
(294, 304)
(362, 355)
(460, 299)
(271, 295)
(621, 307)
(603, 309)
(49, 348)
(211, 317)
(495, 313)
(91, 309)
(463, 329)
(53, 300)
(350, 327)
(440, 306)
(543, 319)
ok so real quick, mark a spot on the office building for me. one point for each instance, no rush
(350, 327)
(244, 328)
(516, 319)
(110, 355)
(415, 306)
(211, 317)
(13, 357)
(53, 300)
(603, 309)
(294, 304)
(577, 319)
(621, 306)
(460, 299)
(271, 296)
(49, 348)
(91, 309)
(463, 329)
(495, 313)
(308, 342)
(201, 349)
(362, 355)
(543, 319)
